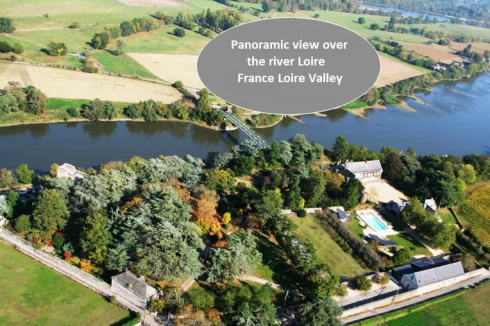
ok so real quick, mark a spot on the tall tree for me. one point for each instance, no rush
(36, 100)
(50, 213)
(24, 174)
(95, 237)
(340, 149)
(321, 311)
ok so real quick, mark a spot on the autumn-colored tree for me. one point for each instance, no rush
(135, 202)
(53, 171)
(206, 212)
(226, 218)
(85, 265)
(67, 255)
(221, 244)
(156, 305)
(213, 315)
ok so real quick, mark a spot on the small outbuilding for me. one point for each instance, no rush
(133, 288)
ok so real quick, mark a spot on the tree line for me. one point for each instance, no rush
(14, 98)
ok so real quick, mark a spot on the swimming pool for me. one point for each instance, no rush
(374, 223)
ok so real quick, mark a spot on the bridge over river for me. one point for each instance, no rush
(254, 137)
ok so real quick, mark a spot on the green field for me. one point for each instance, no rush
(357, 104)
(33, 294)
(407, 241)
(468, 309)
(122, 64)
(461, 308)
(327, 249)
(164, 41)
(447, 216)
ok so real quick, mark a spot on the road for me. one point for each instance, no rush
(416, 300)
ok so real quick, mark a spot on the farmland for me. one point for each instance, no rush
(77, 85)
(476, 211)
(171, 67)
(34, 294)
(327, 250)
(433, 51)
(393, 71)
(122, 64)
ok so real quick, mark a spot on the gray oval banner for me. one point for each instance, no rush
(288, 66)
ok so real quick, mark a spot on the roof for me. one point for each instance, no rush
(135, 284)
(383, 242)
(438, 274)
(341, 213)
(431, 203)
(363, 166)
(426, 263)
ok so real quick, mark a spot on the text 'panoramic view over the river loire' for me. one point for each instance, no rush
(245, 162)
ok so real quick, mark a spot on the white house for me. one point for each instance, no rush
(438, 274)
(69, 171)
(133, 289)
(364, 171)
(430, 205)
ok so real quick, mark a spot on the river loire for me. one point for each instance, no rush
(455, 119)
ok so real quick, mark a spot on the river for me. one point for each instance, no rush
(406, 13)
(455, 121)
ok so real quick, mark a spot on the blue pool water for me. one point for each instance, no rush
(374, 223)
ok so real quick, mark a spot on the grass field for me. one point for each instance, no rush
(33, 294)
(447, 216)
(327, 249)
(433, 51)
(407, 241)
(164, 41)
(467, 309)
(476, 212)
(122, 64)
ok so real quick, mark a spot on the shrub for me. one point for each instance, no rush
(341, 291)
(113, 299)
(200, 298)
(363, 283)
(18, 48)
(67, 255)
(22, 224)
(58, 241)
(5, 47)
(301, 213)
(179, 32)
(74, 25)
(56, 49)
(72, 112)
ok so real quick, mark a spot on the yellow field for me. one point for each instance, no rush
(476, 210)
(171, 67)
(62, 83)
(393, 71)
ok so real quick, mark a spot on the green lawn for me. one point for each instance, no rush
(33, 294)
(327, 249)
(357, 104)
(355, 227)
(471, 308)
(122, 64)
(407, 241)
(447, 216)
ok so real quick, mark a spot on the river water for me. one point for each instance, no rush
(455, 121)
(406, 13)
